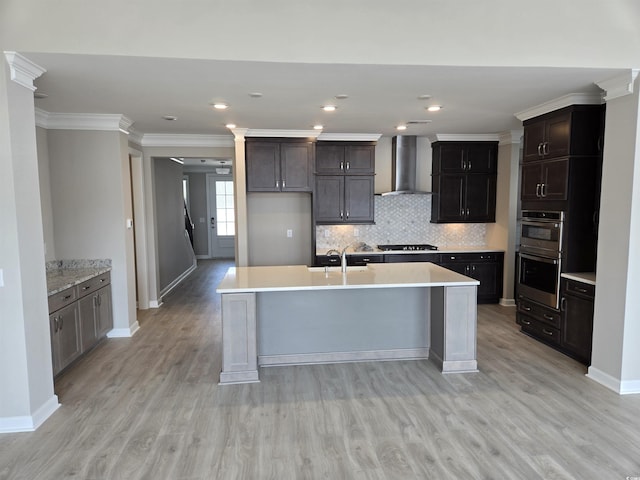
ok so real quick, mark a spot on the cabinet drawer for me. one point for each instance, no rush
(364, 259)
(93, 284)
(411, 257)
(538, 329)
(579, 288)
(540, 313)
(61, 299)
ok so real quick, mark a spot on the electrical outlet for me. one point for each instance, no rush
(289, 233)
(356, 232)
(326, 233)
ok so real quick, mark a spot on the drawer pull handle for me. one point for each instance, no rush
(67, 297)
(102, 280)
(548, 317)
(526, 322)
(526, 309)
(581, 290)
(87, 287)
(547, 332)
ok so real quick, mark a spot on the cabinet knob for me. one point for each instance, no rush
(540, 150)
(347, 165)
(284, 185)
(543, 188)
(341, 165)
(277, 184)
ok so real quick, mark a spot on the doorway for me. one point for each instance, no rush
(221, 216)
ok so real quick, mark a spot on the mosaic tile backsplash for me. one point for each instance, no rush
(402, 219)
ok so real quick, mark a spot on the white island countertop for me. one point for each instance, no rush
(377, 275)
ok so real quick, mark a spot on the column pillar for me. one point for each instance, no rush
(27, 398)
(616, 330)
(240, 191)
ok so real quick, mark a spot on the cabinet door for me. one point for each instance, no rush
(68, 335)
(104, 315)
(263, 166)
(481, 158)
(359, 159)
(358, 199)
(450, 157)
(329, 199)
(330, 159)
(55, 349)
(480, 198)
(487, 274)
(531, 181)
(577, 329)
(449, 206)
(555, 179)
(458, 267)
(87, 312)
(558, 136)
(295, 167)
(534, 137)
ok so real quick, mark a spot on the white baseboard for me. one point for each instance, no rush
(342, 357)
(203, 257)
(124, 332)
(507, 302)
(155, 303)
(29, 423)
(177, 281)
(621, 387)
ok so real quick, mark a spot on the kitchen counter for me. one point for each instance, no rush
(584, 277)
(287, 315)
(377, 275)
(445, 249)
(63, 274)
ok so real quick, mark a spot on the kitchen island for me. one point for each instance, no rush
(286, 315)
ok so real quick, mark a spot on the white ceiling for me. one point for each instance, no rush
(474, 99)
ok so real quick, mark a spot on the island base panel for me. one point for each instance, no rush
(453, 328)
(239, 347)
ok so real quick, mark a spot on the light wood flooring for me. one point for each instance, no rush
(149, 407)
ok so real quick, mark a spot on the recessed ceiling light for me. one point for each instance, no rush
(329, 108)
(220, 106)
(318, 127)
(434, 108)
(255, 94)
(401, 127)
(230, 125)
(171, 118)
(342, 96)
(424, 97)
(40, 95)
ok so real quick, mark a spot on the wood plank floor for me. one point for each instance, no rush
(149, 407)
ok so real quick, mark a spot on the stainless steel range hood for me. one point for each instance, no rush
(404, 166)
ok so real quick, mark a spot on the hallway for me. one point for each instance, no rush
(149, 407)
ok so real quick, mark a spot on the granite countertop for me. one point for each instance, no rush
(444, 249)
(377, 275)
(584, 277)
(63, 274)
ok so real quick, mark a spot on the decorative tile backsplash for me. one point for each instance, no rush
(402, 219)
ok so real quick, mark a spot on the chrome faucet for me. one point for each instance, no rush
(343, 261)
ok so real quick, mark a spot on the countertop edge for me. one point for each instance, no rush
(583, 277)
(482, 249)
(76, 280)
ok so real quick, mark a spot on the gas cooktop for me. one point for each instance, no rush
(408, 247)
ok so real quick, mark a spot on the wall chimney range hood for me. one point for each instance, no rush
(404, 165)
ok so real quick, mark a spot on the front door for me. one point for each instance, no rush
(221, 216)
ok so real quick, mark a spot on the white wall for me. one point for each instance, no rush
(45, 194)
(491, 32)
(91, 198)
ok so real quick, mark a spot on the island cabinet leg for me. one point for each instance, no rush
(239, 347)
(453, 328)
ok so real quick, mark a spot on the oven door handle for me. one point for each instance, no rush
(553, 261)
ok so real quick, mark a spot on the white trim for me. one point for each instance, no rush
(23, 71)
(511, 137)
(177, 140)
(621, 387)
(140, 226)
(28, 423)
(618, 86)
(464, 137)
(507, 302)
(630, 387)
(124, 332)
(179, 279)
(155, 303)
(353, 137)
(558, 103)
(83, 121)
(135, 137)
(231, 378)
(259, 132)
(343, 357)
(203, 257)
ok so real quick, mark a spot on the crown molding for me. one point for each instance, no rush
(511, 137)
(618, 86)
(350, 137)
(258, 132)
(83, 121)
(135, 137)
(558, 103)
(184, 140)
(464, 137)
(23, 71)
